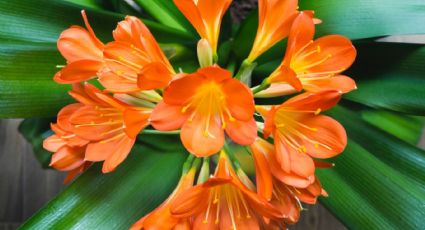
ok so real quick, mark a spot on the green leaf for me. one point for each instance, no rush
(407, 128)
(358, 19)
(28, 53)
(390, 76)
(35, 130)
(165, 12)
(116, 200)
(378, 182)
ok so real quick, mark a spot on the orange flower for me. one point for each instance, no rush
(204, 104)
(268, 162)
(272, 185)
(161, 217)
(274, 22)
(134, 60)
(288, 200)
(68, 149)
(205, 16)
(83, 52)
(223, 202)
(299, 131)
(313, 65)
(108, 127)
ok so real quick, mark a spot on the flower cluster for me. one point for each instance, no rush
(213, 109)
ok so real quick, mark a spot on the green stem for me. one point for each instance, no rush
(204, 174)
(188, 164)
(245, 72)
(156, 132)
(264, 85)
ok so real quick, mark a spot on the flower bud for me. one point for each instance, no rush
(205, 53)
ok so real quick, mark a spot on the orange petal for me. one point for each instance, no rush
(78, 71)
(201, 140)
(323, 100)
(120, 151)
(333, 53)
(282, 152)
(181, 90)
(53, 143)
(92, 124)
(340, 83)
(123, 60)
(262, 173)
(190, 202)
(76, 44)
(309, 195)
(242, 132)
(301, 34)
(65, 114)
(276, 90)
(117, 83)
(286, 75)
(240, 100)
(275, 19)
(167, 117)
(215, 73)
(135, 121)
(67, 158)
(323, 164)
(286, 202)
(330, 136)
(154, 75)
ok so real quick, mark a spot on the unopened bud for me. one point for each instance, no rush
(205, 53)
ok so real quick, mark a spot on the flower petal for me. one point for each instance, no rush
(202, 136)
(333, 53)
(118, 83)
(181, 90)
(135, 121)
(76, 44)
(242, 132)
(78, 71)
(120, 151)
(67, 158)
(323, 100)
(301, 34)
(340, 83)
(240, 100)
(330, 136)
(167, 117)
(154, 75)
(262, 173)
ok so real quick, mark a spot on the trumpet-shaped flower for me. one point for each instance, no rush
(161, 218)
(68, 149)
(223, 202)
(299, 131)
(274, 22)
(205, 16)
(272, 185)
(205, 104)
(300, 173)
(106, 128)
(83, 52)
(313, 65)
(134, 60)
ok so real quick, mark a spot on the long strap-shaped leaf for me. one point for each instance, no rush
(118, 199)
(390, 76)
(359, 19)
(378, 181)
